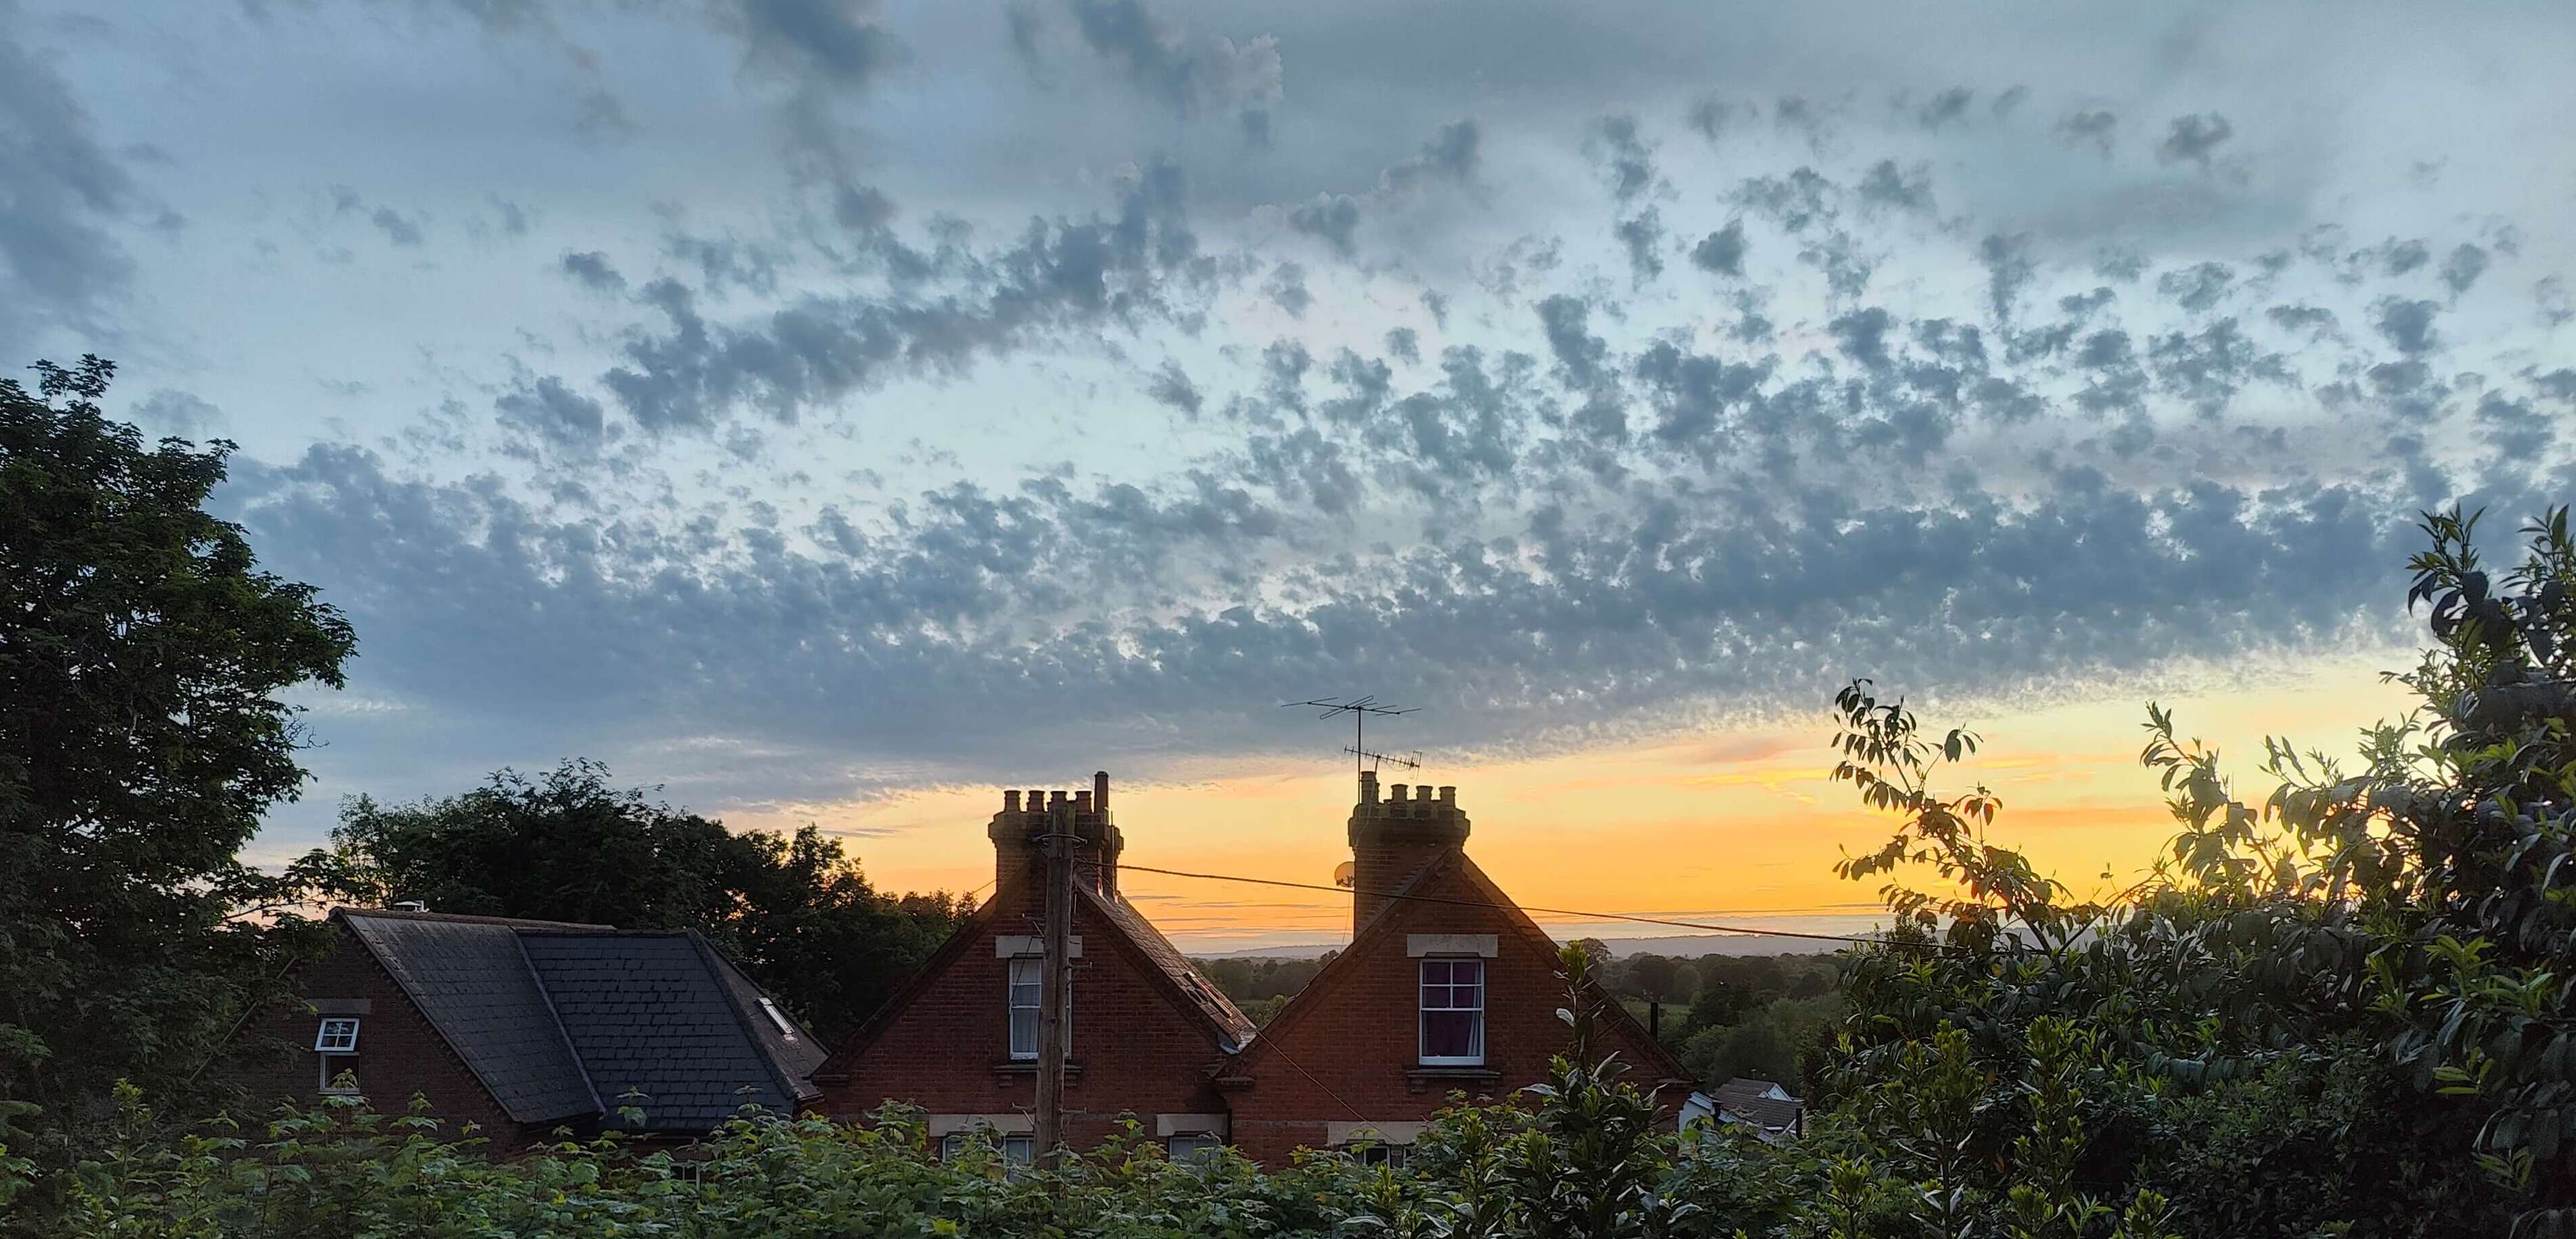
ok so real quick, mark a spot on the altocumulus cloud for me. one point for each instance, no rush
(1579, 378)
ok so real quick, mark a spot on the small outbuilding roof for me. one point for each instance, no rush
(563, 1021)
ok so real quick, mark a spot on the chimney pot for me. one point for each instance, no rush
(1082, 801)
(1011, 801)
(1399, 791)
(1055, 800)
(1368, 787)
(1449, 795)
(1100, 790)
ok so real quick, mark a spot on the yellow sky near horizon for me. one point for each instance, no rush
(1738, 826)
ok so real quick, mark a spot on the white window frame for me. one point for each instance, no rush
(1194, 1146)
(1035, 966)
(1422, 1010)
(338, 1034)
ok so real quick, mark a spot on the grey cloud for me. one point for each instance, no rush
(2009, 270)
(591, 270)
(1721, 252)
(1908, 189)
(2407, 324)
(1330, 217)
(1452, 155)
(1712, 117)
(861, 208)
(2193, 139)
(842, 43)
(1944, 108)
(2403, 257)
(2095, 128)
(2462, 269)
(64, 190)
(1192, 73)
(1172, 386)
(1404, 343)
(2198, 288)
(1642, 235)
(1579, 354)
(553, 412)
(1287, 289)
(172, 412)
(1623, 156)
(397, 228)
(818, 350)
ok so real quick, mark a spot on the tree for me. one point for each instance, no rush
(142, 657)
(2365, 971)
(1659, 977)
(569, 846)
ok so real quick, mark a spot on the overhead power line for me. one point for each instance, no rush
(1487, 903)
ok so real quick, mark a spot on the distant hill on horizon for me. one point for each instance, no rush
(1685, 946)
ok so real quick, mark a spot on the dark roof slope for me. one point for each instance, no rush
(558, 1020)
(649, 1015)
(470, 980)
(1750, 1100)
(1211, 1004)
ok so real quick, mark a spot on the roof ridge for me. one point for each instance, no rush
(465, 918)
(547, 995)
(713, 960)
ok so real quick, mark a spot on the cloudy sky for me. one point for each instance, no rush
(833, 411)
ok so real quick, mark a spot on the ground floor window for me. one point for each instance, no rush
(1016, 1150)
(1196, 1147)
(1374, 1153)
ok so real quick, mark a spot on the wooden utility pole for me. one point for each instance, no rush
(1052, 1047)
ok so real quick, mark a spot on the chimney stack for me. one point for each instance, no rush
(1394, 839)
(1027, 816)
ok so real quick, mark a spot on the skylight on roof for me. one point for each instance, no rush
(778, 1017)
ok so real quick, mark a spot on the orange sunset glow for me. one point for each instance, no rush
(1733, 827)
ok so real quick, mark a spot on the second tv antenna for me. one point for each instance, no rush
(1360, 708)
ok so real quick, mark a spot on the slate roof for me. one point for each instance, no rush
(558, 1020)
(1751, 1101)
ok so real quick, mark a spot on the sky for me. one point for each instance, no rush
(836, 411)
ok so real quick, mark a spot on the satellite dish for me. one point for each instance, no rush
(1344, 874)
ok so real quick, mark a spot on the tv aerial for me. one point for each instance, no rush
(1363, 758)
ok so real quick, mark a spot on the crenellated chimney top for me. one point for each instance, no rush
(1027, 816)
(1393, 839)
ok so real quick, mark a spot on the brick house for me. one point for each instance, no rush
(522, 1027)
(960, 1039)
(1446, 986)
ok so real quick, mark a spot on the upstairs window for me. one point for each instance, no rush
(1028, 981)
(1196, 1148)
(335, 1043)
(1453, 1012)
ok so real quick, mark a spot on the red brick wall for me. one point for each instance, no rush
(399, 1053)
(1343, 1052)
(1135, 1052)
